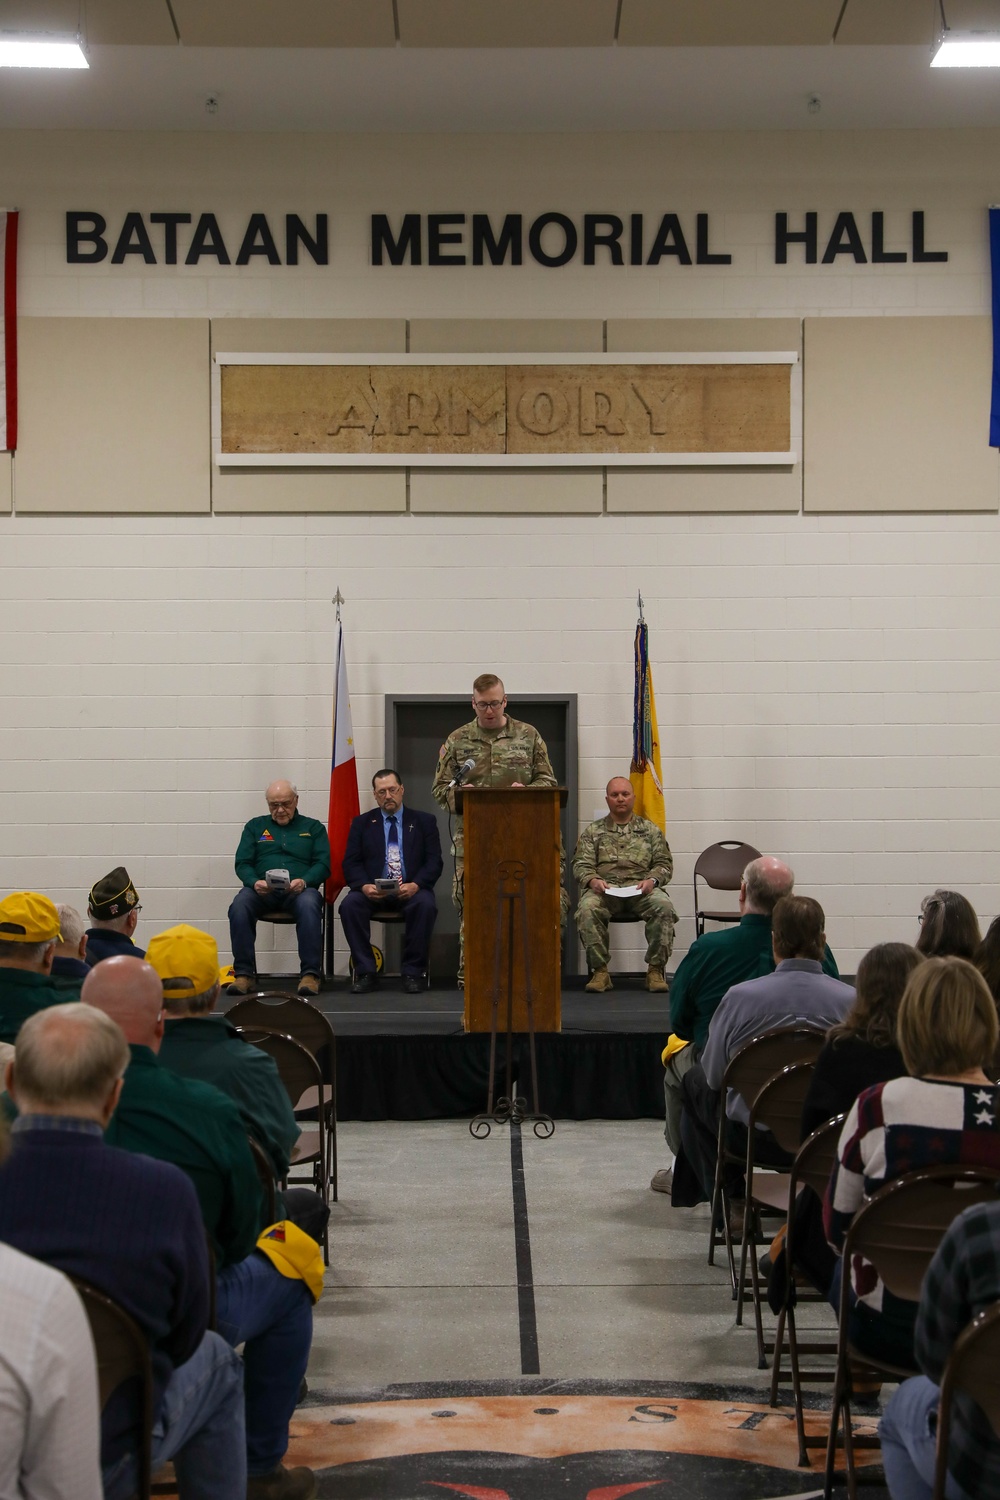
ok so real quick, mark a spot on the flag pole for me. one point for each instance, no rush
(337, 600)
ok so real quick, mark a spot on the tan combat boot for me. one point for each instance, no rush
(655, 980)
(598, 982)
(242, 985)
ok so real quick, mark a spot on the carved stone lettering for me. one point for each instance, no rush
(517, 409)
(542, 410)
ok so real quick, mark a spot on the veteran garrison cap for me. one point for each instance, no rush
(28, 917)
(112, 896)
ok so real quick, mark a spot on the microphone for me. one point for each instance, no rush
(462, 772)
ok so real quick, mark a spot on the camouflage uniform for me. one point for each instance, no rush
(624, 854)
(514, 753)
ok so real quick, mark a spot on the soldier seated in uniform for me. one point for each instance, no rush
(624, 850)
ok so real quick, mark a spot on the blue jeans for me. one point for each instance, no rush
(248, 906)
(272, 1316)
(200, 1427)
(908, 1434)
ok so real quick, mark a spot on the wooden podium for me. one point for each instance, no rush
(517, 824)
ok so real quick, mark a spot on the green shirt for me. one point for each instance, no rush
(716, 962)
(197, 1128)
(301, 847)
(23, 992)
(209, 1048)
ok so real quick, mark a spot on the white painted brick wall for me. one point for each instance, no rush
(826, 686)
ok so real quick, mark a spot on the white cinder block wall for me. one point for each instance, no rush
(826, 685)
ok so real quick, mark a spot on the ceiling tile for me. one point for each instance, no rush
(303, 23)
(727, 23)
(507, 23)
(40, 15)
(877, 23)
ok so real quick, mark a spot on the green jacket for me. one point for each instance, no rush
(713, 964)
(301, 847)
(22, 992)
(209, 1048)
(198, 1129)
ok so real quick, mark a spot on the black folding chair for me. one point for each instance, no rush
(122, 1354)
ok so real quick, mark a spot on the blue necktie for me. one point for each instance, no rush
(393, 862)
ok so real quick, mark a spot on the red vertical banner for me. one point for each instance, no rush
(8, 330)
(344, 802)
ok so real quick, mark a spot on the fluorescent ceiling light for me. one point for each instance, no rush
(41, 52)
(968, 49)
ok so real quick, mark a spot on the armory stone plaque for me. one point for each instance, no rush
(509, 412)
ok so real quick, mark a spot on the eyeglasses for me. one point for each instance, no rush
(277, 806)
(494, 703)
(387, 791)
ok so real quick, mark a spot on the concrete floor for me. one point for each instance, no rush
(422, 1283)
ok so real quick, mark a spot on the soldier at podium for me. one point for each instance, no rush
(493, 751)
(616, 852)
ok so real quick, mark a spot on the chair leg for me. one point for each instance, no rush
(757, 1309)
(800, 1419)
(779, 1349)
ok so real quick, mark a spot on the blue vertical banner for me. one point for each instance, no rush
(995, 268)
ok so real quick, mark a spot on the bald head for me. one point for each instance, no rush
(282, 800)
(128, 990)
(69, 1061)
(765, 881)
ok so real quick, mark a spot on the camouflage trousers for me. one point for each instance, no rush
(458, 896)
(593, 918)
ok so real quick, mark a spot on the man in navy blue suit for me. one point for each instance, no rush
(398, 844)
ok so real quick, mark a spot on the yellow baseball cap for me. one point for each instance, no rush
(186, 959)
(27, 917)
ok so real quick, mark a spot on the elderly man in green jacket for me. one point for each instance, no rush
(29, 932)
(199, 1043)
(283, 842)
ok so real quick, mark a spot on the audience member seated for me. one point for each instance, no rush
(199, 1043)
(945, 1112)
(29, 931)
(113, 906)
(282, 840)
(798, 993)
(132, 1228)
(859, 1052)
(69, 961)
(49, 1405)
(949, 927)
(194, 1126)
(962, 1280)
(399, 843)
(711, 966)
(987, 961)
(621, 851)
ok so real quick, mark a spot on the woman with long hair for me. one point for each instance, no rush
(949, 927)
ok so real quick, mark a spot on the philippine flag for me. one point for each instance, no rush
(344, 801)
(8, 330)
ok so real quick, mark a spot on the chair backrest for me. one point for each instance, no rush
(901, 1226)
(265, 1172)
(292, 1016)
(815, 1157)
(721, 865)
(122, 1354)
(297, 1068)
(974, 1364)
(757, 1062)
(779, 1103)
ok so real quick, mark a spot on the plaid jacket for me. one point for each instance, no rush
(963, 1278)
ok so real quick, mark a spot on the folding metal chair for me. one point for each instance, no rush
(748, 1071)
(122, 1354)
(721, 867)
(973, 1367)
(300, 1072)
(281, 1011)
(265, 1172)
(811, 1168)
(897, 1231)
(778, 1106)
